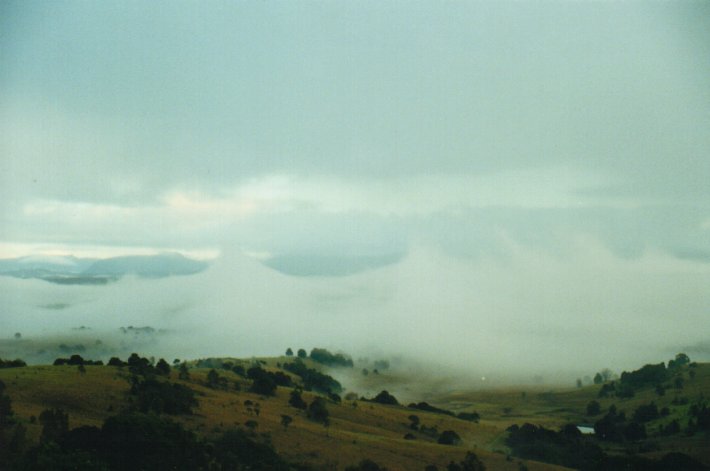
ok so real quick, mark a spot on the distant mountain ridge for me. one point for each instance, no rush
(75, 270)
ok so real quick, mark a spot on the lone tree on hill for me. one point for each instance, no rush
(318, 412)
(386, 398)
(162, 368)
(302, 353)
(289, 352)
(296, 400)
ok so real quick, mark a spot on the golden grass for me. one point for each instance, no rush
(357, 429)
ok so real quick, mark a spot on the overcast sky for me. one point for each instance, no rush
(327, 137)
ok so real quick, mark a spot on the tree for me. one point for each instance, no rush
(302, 353)
(449, 437)
(598, 378)
(55, 423)
(414, 425)
(183, 373)
(162, 368)
(593, 408)
(296, 400)
(286, 420)
(318, 412)
(366, 465)
(289, 352)
(18, 335)
(385, 398)
(579, 382)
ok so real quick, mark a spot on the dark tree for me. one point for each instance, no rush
(598, 378)
(183, 373)
(593, 408)
(366, 465)
(289, 352)
(55, 423)
(296, 400)
(162, 368)
(317, 411)
(213, 379)
(152, 395)
(286, 420)
(302, 353)
(115, 361)
(385, 398)
(414, 422)
(449, 437)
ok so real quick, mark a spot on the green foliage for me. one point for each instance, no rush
(302, 353)
(680, 360)
(317, 411)
(568, 447)
(289, 352)
(296, 400)
(152, 395)
(146, 442)
(593, 408)
(76, 360)
(17, 363)
(469, 463)
(138, 365)
(235, 450)
(449, 437)
(366, 465)
(162, 368)
(385, 398)
(648, 375)
(115, 361)
(646, 413)
(183, 372)
(429, 408)
(323, 356)
(313, 379)
(55, 422)
(469, 416)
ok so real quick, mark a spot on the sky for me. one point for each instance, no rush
(527, 146)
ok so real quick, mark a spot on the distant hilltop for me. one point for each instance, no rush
(92, 271)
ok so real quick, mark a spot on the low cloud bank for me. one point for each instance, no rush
(509, 317)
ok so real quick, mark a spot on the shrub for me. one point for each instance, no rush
(449, 437)
(317, 411)
(385, 398)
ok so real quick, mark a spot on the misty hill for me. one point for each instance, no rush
(75, 270)
(329, 265)
(151, 266)
(211, 399)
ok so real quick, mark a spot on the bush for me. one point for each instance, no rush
(386, 398)
(313, 379)
(323, 356)
(366, 465)
(469, 416)
(593, 408)
(152, 395)
(296, 400)
(317, 411)
(17, 363)
(449, 437)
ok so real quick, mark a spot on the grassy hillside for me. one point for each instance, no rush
(357, 429)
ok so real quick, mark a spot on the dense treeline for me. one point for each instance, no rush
(568, 447)
(324, 357)
(12, 363)
(313, 380)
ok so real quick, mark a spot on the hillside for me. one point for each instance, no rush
(356, 429)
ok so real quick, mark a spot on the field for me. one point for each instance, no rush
(357, 429)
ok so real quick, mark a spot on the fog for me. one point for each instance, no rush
(504, 189)
(509, 318)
